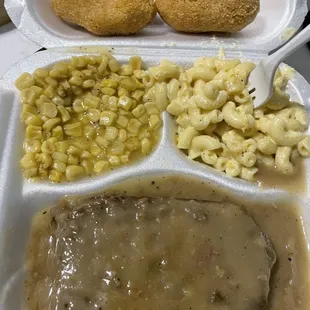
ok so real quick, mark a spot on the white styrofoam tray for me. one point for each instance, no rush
(36, 19)
(20, 200)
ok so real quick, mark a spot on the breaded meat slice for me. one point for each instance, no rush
(107, 17)
(208, 15)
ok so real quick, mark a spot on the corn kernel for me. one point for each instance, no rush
(154, 122)
(76, 80)
(72, 160)
(38, 90)
(111, 133)
(138, 111)
(79, 61)
(134, 126)
(144, 119)
(45, 160)
(112, 105)
(49, 109)
(62, 146)
(65, 85)
(100, 131)
(91, 101)
(58, 133)
(74, 172)
(123, 92)
(30, 173)
(110, 83)
(33, 133)
(95, 149)
(103, 64)
(107, 118)
(52, 140)
(40, 82)
(28, 96)
(51, 82)
(55, 176)
(32, 146)
(88, 73)
(80, 143)
(96, 59)
(89, 131)
(151, 108)
(137, 95)
(104, 143)
(122, 135)
(117, 148)
(25, 81)
(96, 90)
(28, 161)
(114, 160)
(29, 109)
(108, 91)
(93, 115)
(114, 65)
(74, 130)
(125, 70)
(61, 92)
(145, 146)
(77, 106)
(139, 74)
(124, 159)
(122, 121)
(133, 144)
(100, 166)
(102, 155)
(129, 84)
(48, 147)
(49, 124)
(31, 119)
(65, 115)
(59, 166)
(87, 165)
(88, 84)
(125, 103)
(135, 62)
(43, 174)
(86, 155)
(144, 133)
(73, 150)
(76, 90)
(41, 72)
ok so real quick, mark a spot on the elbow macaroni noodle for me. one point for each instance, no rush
(217, 122)
(211, 102)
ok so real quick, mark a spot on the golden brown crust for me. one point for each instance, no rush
(208, 15)
(106, 17)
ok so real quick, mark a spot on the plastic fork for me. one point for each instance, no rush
(261, 78)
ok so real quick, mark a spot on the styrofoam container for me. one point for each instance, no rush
(20, 200)
(37, 20)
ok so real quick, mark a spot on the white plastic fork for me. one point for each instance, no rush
(261, 78)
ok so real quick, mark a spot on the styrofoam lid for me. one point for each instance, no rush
(276, 22)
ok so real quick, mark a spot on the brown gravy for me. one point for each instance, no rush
(289, 287)
(271, 178)
(281, 222)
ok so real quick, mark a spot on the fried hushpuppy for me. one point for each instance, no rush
(107, 17)
(208, 15)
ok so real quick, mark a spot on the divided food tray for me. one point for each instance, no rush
(270, 29)
(20, 200)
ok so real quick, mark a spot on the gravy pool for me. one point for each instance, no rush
(281, 222)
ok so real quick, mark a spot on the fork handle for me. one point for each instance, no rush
(274, 60)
